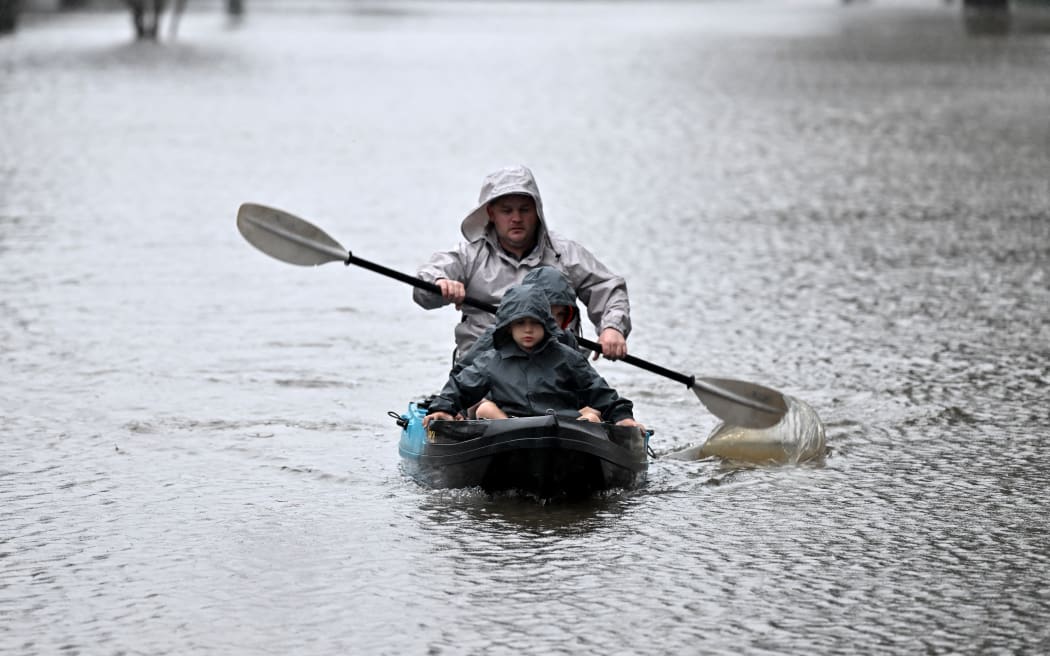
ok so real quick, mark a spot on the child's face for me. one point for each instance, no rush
(526, 332)
(561, 315)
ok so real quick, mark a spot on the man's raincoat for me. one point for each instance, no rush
(486, 270)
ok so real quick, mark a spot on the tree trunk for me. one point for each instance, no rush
(176, 14)
(138, 17)
(235, 7)
(145, 16)
(991, 17)
(8, 16)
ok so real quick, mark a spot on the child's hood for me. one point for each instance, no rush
(553, 282)
(519, 302)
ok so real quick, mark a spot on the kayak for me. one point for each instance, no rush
(546, 456)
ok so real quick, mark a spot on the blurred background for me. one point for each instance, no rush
(148, 15)
(848, 202)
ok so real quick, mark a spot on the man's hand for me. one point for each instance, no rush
(613, 343)
(452, 290)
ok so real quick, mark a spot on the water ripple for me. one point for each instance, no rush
(846, 203)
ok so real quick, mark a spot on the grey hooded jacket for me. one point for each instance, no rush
(552, 376)
(556, 286)
(487, 270)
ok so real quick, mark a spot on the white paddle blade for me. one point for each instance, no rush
(286, 237)
(799, 437)
(738, 403)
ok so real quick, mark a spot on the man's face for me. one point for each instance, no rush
(516, 222)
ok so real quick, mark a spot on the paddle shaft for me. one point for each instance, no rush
(291, 239)
(688, 381)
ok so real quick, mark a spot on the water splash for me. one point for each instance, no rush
(799, 437)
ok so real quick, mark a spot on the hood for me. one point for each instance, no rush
(523, 301)
(510, 180)
(553, 283)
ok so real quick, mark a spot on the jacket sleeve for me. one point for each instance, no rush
(463, 389)
(483, 344)
(595, 392)
(602, 291)
(451, 265)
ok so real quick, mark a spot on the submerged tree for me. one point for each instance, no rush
(145, 16)
(8, 16)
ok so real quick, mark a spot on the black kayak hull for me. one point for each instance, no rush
(547, 456)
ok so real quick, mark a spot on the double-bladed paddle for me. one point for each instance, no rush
(290, 239)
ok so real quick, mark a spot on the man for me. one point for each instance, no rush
(506, 237)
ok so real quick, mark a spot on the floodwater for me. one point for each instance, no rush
(850, 204)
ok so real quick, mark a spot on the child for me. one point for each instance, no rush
(561, 295)
(562, 298)
(528, 372)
